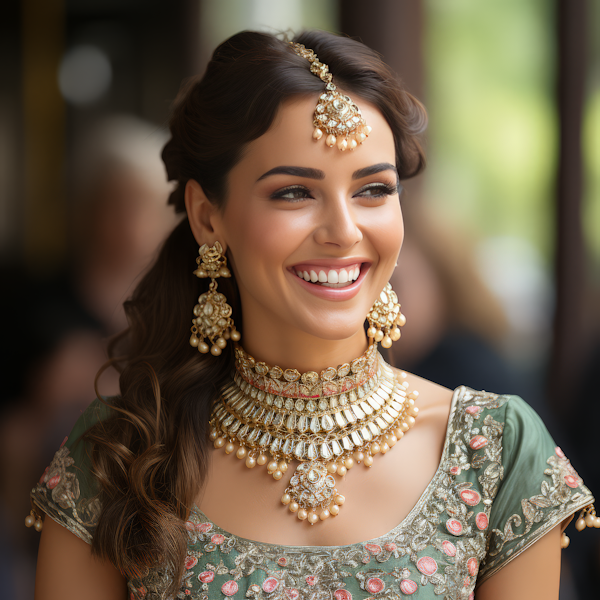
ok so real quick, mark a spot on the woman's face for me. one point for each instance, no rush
(313, 233)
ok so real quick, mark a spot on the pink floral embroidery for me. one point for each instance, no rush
(571, 481)
(229, 588)
(270, 584)
(374, 549)
(455, 470)
(282, 561)
(203, 527)
(559, 452)
(478, 442)
(390, 546)
(311, 579)
(375, 585)
(472, 596)
(473, 410)
(206, 576)
(481, 520)
(342, 595)
(472, 566)
(217, 539)
(454, 526)
(408, 586)
(449, 548)
(427, 565)
(190, 562)
(53, 482)
(292, 593)
(189, 526)
(470, 497)
(366, 559)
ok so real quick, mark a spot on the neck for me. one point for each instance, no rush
(294, 349)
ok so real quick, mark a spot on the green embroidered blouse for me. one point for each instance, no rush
(501, 484)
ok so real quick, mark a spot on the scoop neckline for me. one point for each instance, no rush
(456, 395)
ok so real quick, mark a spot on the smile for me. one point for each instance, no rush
(329, 277)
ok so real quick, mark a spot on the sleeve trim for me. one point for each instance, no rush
(58, 515)
(537, 534)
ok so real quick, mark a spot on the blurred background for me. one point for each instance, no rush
(500, 273)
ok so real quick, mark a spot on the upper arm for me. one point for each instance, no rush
(533, 574)
(66, 569)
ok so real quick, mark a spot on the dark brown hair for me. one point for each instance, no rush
(151, 457)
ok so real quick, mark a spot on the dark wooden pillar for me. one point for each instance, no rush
(569, 326)
(392, 28)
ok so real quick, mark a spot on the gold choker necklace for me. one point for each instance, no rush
(327, 421)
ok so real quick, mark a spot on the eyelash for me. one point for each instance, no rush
(384, 190)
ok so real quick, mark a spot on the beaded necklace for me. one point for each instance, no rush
(327, 421)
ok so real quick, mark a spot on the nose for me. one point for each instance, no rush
(338, 224)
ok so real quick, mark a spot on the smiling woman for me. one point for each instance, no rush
(291, 190)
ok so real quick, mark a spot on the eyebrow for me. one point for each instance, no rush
(318, 174)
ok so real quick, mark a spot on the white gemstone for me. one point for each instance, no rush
(352, 396)
(260, 396)
(311, 406)
(366, 434)
(337, 449)
(278, 420)
(339, 419)
(289, 404)
(381, 423)
(349, 416)
(348, 445)
(299, 405)
(268, 418)
(365, 406)
(392, 412)
(325, 450)
(269, 399)
(373, 402)
(387, 417)
(299, 450)
(323, 404)
(327, 423)
(278, 401)
(311, 452)
(315, 425)
(288, 446)
(265, 439)
(275, 445)
(374, 429)
(358, 411)
(343, 399)
(356, 438)
(302, 424)
(333, 401)
(291, 422)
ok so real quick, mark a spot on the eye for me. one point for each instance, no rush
(378, 190)
(292, 193)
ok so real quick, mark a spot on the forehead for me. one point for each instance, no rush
(289, 142)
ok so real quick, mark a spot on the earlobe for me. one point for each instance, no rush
(201, 214)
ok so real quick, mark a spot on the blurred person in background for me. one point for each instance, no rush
(54, 341)
(457, 328)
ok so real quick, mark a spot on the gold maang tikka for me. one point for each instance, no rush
(336, 115)
(385, 318)
(212, 315)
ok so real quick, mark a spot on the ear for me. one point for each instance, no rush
(202, 214)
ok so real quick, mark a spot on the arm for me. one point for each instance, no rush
(532, 575)
(66, 569)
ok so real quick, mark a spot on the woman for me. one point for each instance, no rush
(300, 235)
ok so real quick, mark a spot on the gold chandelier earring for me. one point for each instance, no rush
(385, 318)
(212, 315)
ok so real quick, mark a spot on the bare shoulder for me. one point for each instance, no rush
(432, 396)
(66, 567)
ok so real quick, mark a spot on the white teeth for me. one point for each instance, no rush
(339, 276)
(306, 276)
(314, 277)
(322, 277)
(332, 277)
(343, 277)
(299, 273)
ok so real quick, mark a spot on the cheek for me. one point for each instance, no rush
(388, 234)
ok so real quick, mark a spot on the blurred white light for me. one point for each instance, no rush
(85, 74)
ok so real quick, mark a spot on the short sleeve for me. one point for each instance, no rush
(67, 491)
(539, 488)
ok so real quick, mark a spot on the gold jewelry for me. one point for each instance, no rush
(212, 315)
(336, 114)
(34, 520)
(327, 421)
(385, 318)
